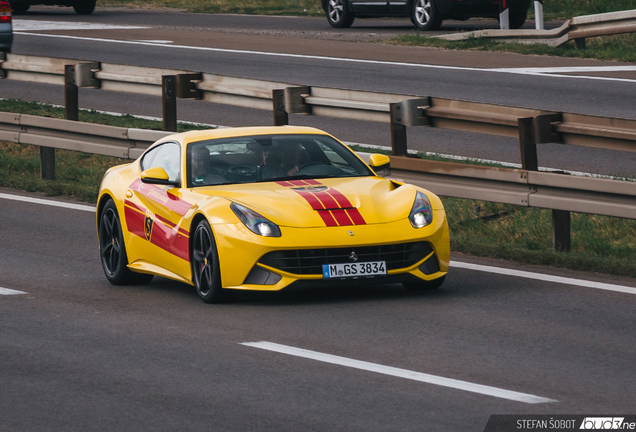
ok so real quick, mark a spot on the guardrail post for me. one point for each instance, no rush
(579, 43)
(281, 118)
(409, 112)
(538, 130)
(504, 15)
(538, 14)
(528, 145)
(398, 131)
(71, 94)
(47, 163)
(169, 102)
(561, 230)
(289, 100)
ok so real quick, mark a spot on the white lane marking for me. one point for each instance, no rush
(158, 41)
(7, 291)
(570, 69)
(335, 59)
(544, 277)
(36, 25)
(48, 202)
(457, 264)
(401, 373)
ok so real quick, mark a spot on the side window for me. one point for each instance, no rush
(166, 156)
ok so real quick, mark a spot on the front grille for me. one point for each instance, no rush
(310, 261)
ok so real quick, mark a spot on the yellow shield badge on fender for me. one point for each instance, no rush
(148, 222)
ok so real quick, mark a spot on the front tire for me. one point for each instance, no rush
(425, 15)
(338, 14)
(206, 272)
(113, 250)
(84, 7)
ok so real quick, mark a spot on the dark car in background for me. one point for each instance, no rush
(425, 14)
(6, 26)
(81, 7)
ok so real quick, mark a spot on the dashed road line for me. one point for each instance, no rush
(8, 292)
(401, 373)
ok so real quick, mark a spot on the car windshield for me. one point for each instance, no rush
(265, 158)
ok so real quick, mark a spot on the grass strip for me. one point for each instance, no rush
(616, 47)
(599, 243)
(552, 10)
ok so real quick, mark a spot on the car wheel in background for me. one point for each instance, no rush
(518, 19)
(84, 7)
(20, 7)
(338, 14)
(424, 285)
(425, 15)
(206, 273)
(113, 250)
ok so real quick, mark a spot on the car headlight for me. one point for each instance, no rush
(255, 222)
(422, 212)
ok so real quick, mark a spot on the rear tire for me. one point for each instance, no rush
(20, 7)
(338, 14)
(424, 285)
(425, 15)
(84, 7)
(113, 250)
(206, 272)
(518, 19)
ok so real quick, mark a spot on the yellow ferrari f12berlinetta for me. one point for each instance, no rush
(266, 208)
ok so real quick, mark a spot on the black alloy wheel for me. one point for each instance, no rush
(338, 14)
(206, 272)
(425, 15)
(424, 285)
(84, 7)
(113, 250)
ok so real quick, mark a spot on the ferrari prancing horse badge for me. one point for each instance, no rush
(148, 222)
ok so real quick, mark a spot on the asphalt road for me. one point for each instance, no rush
(78, 354)
(485, 77)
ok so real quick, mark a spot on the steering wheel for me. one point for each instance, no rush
(243, 170)
(310, 163)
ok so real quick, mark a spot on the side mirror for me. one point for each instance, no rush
(157, 175)
(381, 164)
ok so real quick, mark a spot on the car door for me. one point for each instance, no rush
(154, 213)
(370, 7)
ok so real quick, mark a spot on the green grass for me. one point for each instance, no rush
(599, 244)
(552, 9)
(616, 47)
(564, 9)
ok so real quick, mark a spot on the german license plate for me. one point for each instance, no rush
(354, 269)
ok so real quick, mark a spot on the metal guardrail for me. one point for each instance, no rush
(127, 143)
(520, 187)
(511, 186)
(526, 187)
(577, 29)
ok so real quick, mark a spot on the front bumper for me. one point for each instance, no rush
(240, 252)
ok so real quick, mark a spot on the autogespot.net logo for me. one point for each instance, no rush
(606, 423)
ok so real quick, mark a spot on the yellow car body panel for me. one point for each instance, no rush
(158, 220)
